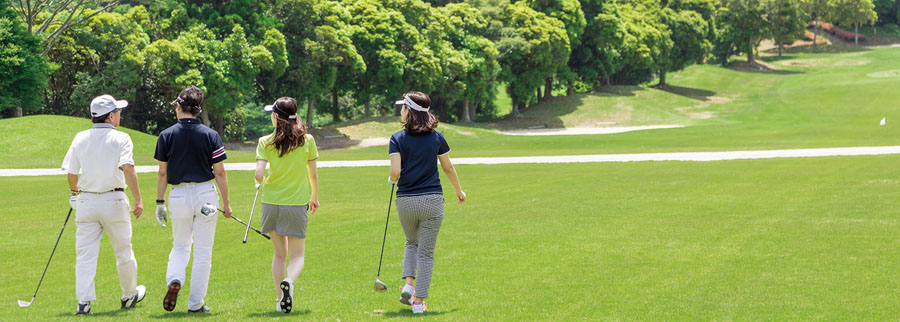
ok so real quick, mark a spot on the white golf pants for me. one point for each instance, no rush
(94, 214)
(189, 226)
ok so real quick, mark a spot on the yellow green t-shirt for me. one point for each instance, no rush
(287, 179)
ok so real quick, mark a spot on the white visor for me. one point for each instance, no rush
(409, 102)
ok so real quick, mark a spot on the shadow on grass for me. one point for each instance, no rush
(407, 313)
(744, 66)
(182, 315)
(278, 314)
(770, 59)
(820, 49)
(107, 314)
(548, 114)
(695, 93)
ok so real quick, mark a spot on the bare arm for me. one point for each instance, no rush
(450, 171)
(260, 171)
(162, 182)
(132, 181)
(314, 186)
(73, 182)
(395, 167)
(222, 183)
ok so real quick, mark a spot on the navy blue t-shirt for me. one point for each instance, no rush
(418, 162)
(190, 148)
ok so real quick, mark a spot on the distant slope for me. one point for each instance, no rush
(41, 141)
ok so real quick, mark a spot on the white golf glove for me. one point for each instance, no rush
(161, 215)
(392, 181)
(73, 201)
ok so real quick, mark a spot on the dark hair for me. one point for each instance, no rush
(104, 117)
(289, 133)
(419, 122)
(193, 98)
(100, 119)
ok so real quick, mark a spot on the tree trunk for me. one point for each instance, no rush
(310, 107)
(366, 107)
(335, 109)
(548, 88)
(570, 90)
(750, 59)
(662, 79)
(17, 112)
(473, 113)
(220, 125)
(465, 115)
(856, 34)
(539, 97)
(816, 34)
(515, 106)
(780, 49)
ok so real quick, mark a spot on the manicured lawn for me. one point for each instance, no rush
(827, 98)
(780, 239)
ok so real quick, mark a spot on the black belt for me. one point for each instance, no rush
(114, 190)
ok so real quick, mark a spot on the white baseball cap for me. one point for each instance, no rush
(104, 104)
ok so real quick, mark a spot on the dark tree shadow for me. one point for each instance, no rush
(695, 93)
(278, 314)
(407, 313)
(182, 315)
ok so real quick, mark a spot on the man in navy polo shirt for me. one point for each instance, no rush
(190, 156)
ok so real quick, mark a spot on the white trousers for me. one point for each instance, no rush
(94, 214)
(189, 226)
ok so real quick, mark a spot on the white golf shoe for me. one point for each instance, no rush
(406, 293)
(419, 307)
(84, 309)
(130, 302)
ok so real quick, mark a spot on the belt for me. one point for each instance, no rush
(114, 190)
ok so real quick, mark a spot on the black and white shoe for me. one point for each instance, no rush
(202, 309)
(84, 309)
(130, 302)
(287, 296)
(172, 295)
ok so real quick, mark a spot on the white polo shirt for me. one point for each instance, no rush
(98, 154)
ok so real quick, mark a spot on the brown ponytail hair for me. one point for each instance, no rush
(289, 133)
(418, 122)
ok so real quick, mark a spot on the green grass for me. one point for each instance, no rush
(782, 239)
(830, 96)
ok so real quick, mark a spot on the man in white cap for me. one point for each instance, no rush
(103, 157)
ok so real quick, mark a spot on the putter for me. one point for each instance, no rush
(27, 304)
(209, 209)
(379, 285)
(251, 215)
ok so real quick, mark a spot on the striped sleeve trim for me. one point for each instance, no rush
(218, 152)
(445, 153)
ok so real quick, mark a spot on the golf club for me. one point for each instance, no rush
(379, 285)
(27, 304)
(251, 215)
(209, 209)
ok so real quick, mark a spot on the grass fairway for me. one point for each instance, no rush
(779, 239)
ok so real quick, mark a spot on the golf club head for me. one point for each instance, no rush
(208, 210)
(379, 286)
(25, 304)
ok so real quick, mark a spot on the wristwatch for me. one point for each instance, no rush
(160, 202)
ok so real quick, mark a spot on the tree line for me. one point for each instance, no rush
(351, 59)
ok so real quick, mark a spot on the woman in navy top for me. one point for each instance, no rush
(415, 152)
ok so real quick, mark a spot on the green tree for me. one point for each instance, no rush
(787, 22)
(317, 45)
(688, 35)
(854, 13)
(815, 10)
(23, 73)
(570, 14)
(743, 24)
(645, 41)
(532, 48)
(597, 55)
(50, 19)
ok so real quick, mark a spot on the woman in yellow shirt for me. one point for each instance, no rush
(289, 190)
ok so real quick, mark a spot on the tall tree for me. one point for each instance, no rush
(23, 73)
(533, 47)
(689, 39)
(854, 13)
(815, 10)
(787, 22)
(743, 24)
(570, 14)
(50, 18)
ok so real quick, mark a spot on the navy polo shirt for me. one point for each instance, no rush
(418, 162)
(190, 148)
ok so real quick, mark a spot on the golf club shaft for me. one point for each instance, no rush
(383, 239)
(51, 254)
(251, 227)
(253, 207)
